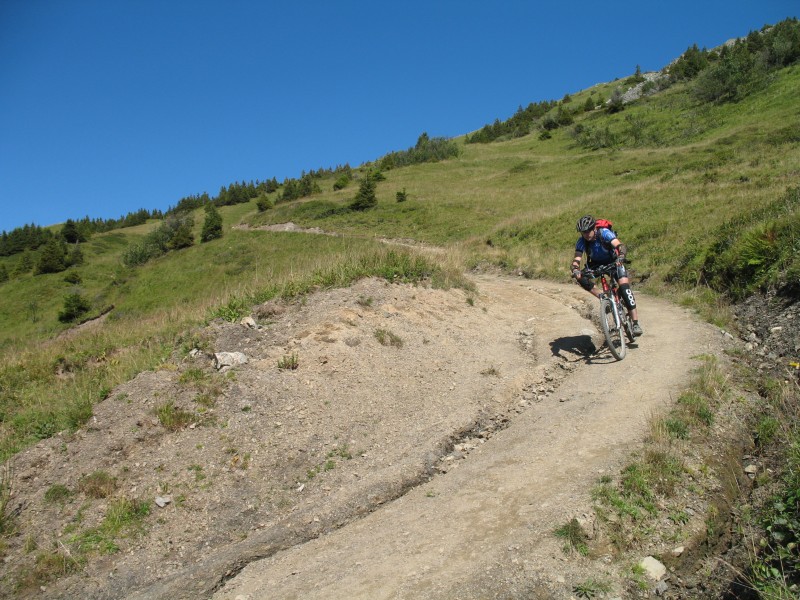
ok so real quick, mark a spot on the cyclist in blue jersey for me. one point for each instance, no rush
(602, 247)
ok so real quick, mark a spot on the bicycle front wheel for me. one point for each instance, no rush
(614, 336)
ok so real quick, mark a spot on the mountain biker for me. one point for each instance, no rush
(603, 248)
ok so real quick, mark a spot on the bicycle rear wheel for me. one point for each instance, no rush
(627, 323)
(614, 336)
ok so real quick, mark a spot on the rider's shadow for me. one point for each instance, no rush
(580, 346)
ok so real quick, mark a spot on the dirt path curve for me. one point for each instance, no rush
(485, 528)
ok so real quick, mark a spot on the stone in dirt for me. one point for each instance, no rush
(653, 568)
(223, 360)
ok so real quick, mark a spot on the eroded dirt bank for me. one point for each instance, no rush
(435, 466)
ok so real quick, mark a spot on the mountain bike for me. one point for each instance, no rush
(614, 318)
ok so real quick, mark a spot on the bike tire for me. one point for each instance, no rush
(627, 323)
(615, 339)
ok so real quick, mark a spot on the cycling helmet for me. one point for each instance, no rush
(585, 223)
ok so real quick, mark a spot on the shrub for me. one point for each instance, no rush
(264, 204)
(341, 182)
(401, 196)
(138, 254)
(73, 277)
(75, 306)
(616, 104)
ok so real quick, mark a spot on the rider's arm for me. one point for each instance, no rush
(621, 248)
(576, 263)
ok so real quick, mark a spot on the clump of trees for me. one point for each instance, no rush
(729, 74)
(173, 234)
(427, 149)
(519, 125)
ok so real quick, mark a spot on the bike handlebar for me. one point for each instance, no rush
(608, 269)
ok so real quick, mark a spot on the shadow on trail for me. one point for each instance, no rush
(580, 346)
(583, 348)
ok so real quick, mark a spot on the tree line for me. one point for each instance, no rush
(31, 237)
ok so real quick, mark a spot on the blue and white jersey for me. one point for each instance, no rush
(600, 250)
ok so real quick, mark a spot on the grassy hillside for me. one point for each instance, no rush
(702, 194)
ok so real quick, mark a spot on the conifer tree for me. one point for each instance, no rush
(75, 256)
(365, 198)
(25, 263)
(212, 226)
(75, 305)
(52, 258)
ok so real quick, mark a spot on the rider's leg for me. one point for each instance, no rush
(628, 299)
(626, 293)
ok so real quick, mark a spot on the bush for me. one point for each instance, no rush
(616, 104)
(75, 306)
(73, 277)
(341, 182)
(138, 254)
(264, 204)
(401, 196)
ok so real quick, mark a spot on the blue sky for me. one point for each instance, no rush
(108, 106)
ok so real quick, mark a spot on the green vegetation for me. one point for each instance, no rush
(628, 505)
(574, 536)
(174, 418)
(290, 362)
(387, 338)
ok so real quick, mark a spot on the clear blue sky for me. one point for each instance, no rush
(108, 106)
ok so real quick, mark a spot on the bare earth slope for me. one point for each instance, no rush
(434, 467)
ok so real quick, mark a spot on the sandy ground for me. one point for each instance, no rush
(434, 467)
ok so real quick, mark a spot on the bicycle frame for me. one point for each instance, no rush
(615, 332)
(609, 289)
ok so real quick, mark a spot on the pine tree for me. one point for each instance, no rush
(75, 305)
(75, 257)
(71, 233)
(25, 263)
(365, 198)
(212, 226)
(52, 258)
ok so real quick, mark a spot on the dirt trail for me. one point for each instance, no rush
(485, 529)
(434, 465)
